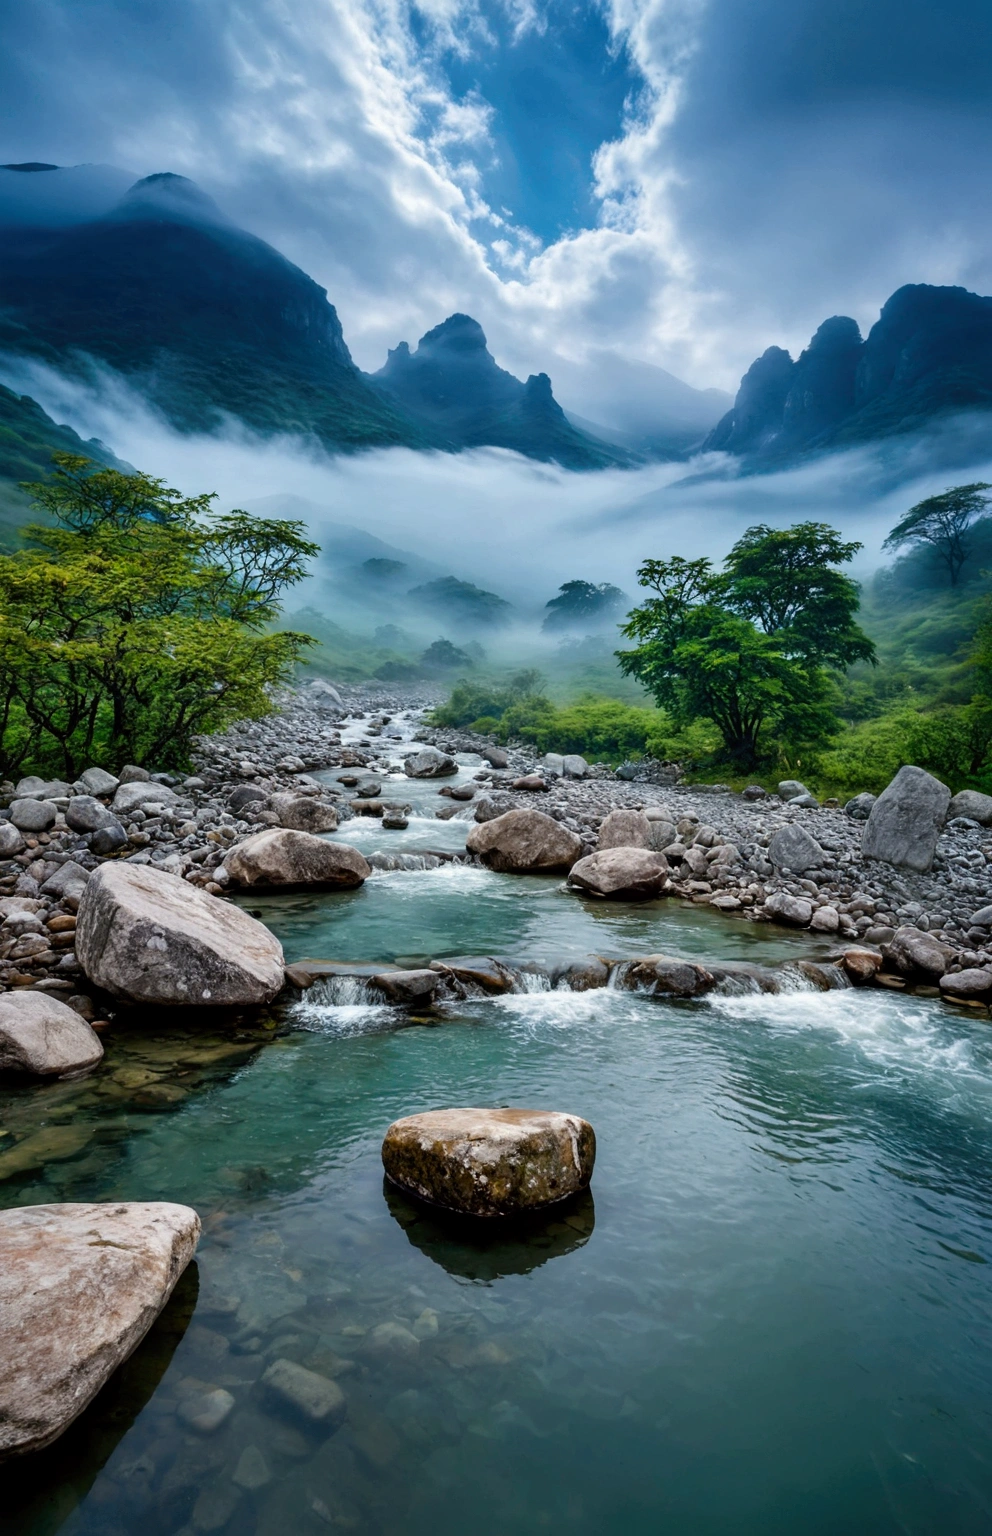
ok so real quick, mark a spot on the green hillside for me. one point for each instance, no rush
(28, 438)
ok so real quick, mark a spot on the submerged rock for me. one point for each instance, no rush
(80, 1286)
(490, 1162)
(282, 857)
(905, 821)
(41, 1035)
(621, 874)
(524, 842)
(315, 1398)
(408, 986)
(151, 937)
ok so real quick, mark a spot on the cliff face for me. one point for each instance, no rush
(929, 353)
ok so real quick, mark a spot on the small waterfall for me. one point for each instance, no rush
(392, 861)
(535, 981)
(344, 992)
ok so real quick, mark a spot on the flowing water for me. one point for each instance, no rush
(771, 1315)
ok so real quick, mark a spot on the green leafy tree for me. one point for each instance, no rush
(942, 523)
(138, 619)
(583, 605)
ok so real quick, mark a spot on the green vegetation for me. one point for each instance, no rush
(461, 604)
(941, 523)
(28, 438)
(581, 606)
(137, 619)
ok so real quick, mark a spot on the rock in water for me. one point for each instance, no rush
(524, 842)
(151, 937)
(304, 813)
(905, 821)
(974, 805)
(490, 1162)
(429, 763)
(624, 829)
(793, 847)
(621, 874)
(915, 954)
(794, 910)
(280, 857)
(314, 1398)
(80, 1286)
(39, 1034)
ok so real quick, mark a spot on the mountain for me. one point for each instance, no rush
(928, 354)
(636, 404)
(210, 322)
(453, 386)
(28, 438)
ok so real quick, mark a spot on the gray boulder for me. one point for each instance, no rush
(70, 879)
(30, 787)
(323, 695)
(915, 954)
(140, 792)
(11, 841)
(524, 842)
(859, 809)
(132, 774)
(41, 1035)
(496, 757)
(80, 1286)
(34, 788)
(244, 795)
(552, 764)
(33, 815)
(84, 813)
(488, 807)
(96, 781)
(905, 821)
(982, 918)
(970, 803)
(621, 874)
(429, 763)
(280, 857)
(971, 983)
(661, 835)
(574, 766)
(625, 829)
(786, 908)
(791, 789)
(151, 937)
(795, 848)
(408, 986)
(107, 840)
(304, 813)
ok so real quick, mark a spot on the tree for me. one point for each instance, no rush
(138, 620)
(581, 605)
(442, 656)
(942, 522)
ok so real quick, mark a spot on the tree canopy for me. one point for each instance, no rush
(942, 522)
(583, 605)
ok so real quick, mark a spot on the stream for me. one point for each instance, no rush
(770, 1316)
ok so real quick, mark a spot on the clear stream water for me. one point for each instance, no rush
(771, 1316)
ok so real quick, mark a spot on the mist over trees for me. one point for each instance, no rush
(942, 523)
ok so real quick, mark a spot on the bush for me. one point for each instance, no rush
(954, 743)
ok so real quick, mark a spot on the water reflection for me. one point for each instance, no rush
(485, 1251)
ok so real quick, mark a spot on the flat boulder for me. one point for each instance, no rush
(621, 874)
(973, 804)
(80, 1286)
(490, 1162)
(905, 822)
(524, 842)
(793, 847)
(151, 937)
(973, 983)
(429, 763)
(69, 879)
(280, 857)
(41, 1035)
(915, 954)
(304, 813)
(136, 793)
(625, 829)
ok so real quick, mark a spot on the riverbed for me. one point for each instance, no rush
(771, 1315)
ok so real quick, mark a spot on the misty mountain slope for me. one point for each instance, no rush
(454, 386)
(637, 405)
(28, 438)
(929, 354)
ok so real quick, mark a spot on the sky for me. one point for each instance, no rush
(676, 182)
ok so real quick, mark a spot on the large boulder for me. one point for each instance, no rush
(793, 847)
(524, 842)
(280, 857)
(974, 805)
(304, 813)
(574, 766)
(80, 1286)
(859, 809)
(41, 1035)
(792, 789)
(915, 954)
(85, 813)
(624, 829)
(973, 983)
(138, 793)
(33, 815)
(786, 908)
(96, 781)
(153, 938)
(490, 1162)
(69, 879)
(429, 763)
(904, 823)
(621, 874)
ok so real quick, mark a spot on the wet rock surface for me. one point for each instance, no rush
(523, 842)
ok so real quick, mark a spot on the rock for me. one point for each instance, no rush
(429, 763)
(245, 794)
(982, 918)
(754, 792)
(725, 902)
(252, 1471)
(11, 841)
(69, 879)
(914, 953)
(96, 781)
(625, 829)
(791, 789)
(970, 983)
(553, 765)
(132, 774)
(794, 848)
(107, 840)
(477, 971)
(315, 1398)
(280, 857)
(408, 986)
(393, 1339)
(794, 910)
(665, 976)
(859, 808)
(825, 920)
(621, 874)
(808, 802)
(574, 766)
(862, 965)
(582, 975)
(304, 813)
(324, 694)
(29, 788)
(133, 794)
(490, 1162)
(152, 937)
(33, 815)
(460, 792)
(33, 788)
(41, 1035)
(970, 803)
(85, 813)
(492, 805)
(905, 821)
(206, 1411)
(530, 782)
(522, 842)
(495, 757)
(80, 1285)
